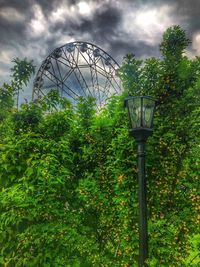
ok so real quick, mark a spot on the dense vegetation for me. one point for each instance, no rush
(68, 179)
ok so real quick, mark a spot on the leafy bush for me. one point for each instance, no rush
(68, 179)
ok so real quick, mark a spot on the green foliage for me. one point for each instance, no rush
(68, 178)
(129, 73)
(6, 101)
(53, 101)
(194, 255)
(174, 42)
(21, 74)
(86, 112)
(22, 71)
(27, 118)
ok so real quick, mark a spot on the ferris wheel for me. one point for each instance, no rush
(78, 69)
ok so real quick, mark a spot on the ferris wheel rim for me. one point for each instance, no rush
(103, 55)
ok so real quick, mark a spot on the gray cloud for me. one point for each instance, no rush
(22, 6)
(34, 28)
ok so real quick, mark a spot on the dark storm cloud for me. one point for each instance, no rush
(21, 6)
(139, 49)
(11, 32)
(104, 20)
(190, 11)
(25, 6)
(14, 31)
(48, 5)
(103, 26)
(104, 29)
(107, 18)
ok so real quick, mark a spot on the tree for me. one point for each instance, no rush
(21, 74)
(68, 178)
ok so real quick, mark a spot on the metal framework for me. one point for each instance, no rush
(78, 69)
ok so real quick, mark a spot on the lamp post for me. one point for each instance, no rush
(140, 112)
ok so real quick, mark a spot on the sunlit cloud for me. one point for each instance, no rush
(11, 14)
(5, 55)
(147, 23)
(84, 8)
(64, 40)
(196, 43)
(76, 12)
(59, 14)
(5, 65)
(38, 24)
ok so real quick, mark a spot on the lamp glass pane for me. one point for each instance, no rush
(134, 110)
(147, 112)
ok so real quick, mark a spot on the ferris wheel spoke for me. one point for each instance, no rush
(81, 80)
(67, 74)
(53, 82)
(61, 78)
(74, 66)
(61, 83)
(94, 76)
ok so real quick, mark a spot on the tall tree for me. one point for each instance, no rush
(68, 179)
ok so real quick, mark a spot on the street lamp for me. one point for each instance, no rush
(140, 111)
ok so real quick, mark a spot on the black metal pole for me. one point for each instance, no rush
(143, 235)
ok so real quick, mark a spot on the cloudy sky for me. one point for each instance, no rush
(33, 28)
